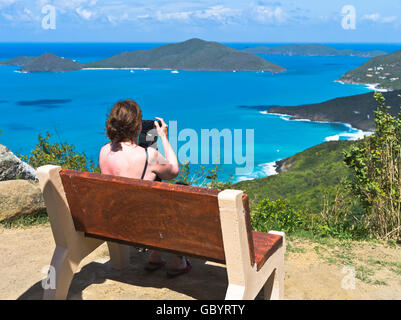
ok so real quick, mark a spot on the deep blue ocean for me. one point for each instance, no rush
(73, 106)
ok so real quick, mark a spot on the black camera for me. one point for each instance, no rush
(148, 136)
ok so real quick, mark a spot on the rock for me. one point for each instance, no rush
(12, 168)
(20, 197)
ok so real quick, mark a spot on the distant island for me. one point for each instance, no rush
(49, 62)
(311, 50)
(384, 71)
(191, 55)
(18, 61)
(357, 110)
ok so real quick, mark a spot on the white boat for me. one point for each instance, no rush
(174, 71)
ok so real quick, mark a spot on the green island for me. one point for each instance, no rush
(357, 110)
(191, 55)
(49, 62)
(18, 61)
(311, 50)
(384, 71)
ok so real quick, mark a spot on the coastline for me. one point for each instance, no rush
(370, 86)
(353, 136)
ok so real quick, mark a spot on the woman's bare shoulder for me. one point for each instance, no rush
(105, 148)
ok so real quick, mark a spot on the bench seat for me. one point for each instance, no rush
(265, 244)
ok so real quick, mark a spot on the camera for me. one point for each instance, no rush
(148, 136)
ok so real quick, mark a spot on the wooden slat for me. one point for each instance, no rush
(158, 215)
(265, 244)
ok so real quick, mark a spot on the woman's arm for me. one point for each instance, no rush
(167, 167)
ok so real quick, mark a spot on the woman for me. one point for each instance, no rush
(125, 158)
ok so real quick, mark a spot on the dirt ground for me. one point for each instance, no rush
(324, 270)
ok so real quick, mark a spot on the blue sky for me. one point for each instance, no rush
(228, 21)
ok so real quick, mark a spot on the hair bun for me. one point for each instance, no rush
(124, 121)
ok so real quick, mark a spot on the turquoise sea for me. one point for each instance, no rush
(73, 105)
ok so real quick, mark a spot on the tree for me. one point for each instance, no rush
(376, 164)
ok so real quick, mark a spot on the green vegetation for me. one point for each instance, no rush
(384, 70)
(276, 215)
(49, 62)
(25, 221)
(60, 154)
(17, 61)
(311, 50)
(357, 110)
(202, 177)
(376, 164)
(194, 54)
(342, 189)
(306, 178)
(308, 195)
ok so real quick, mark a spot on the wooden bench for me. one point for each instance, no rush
(87, 209)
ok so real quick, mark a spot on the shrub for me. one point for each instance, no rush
(276, 215)
(202, 177)
(376, 164)
(60, 154)
(341, 216)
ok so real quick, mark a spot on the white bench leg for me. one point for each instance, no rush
(119, 255)
(71, 246)
(274, 286)
(235, 292)
(59, 279)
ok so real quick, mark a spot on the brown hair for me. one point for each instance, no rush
(124, 121)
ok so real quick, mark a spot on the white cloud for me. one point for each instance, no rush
(269, 15)
(219, 14)
(376, 17)
(84, 13)
(180, 16)
(372, 17)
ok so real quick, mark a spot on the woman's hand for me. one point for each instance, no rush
(163, 130)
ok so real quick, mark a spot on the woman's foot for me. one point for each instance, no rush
(180, 266)
(155, 262)
(153, 266)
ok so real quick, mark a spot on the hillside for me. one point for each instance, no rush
(357, 110)
(194, 54)
(304, 179)
(383, 70)
(17, 61)
(311, 50)
(49, 62)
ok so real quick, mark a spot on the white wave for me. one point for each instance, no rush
(373, 87)
(262, 170)
(353, 136)
(285, 117)
(269, 168)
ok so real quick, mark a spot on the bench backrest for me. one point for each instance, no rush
(175, 218)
